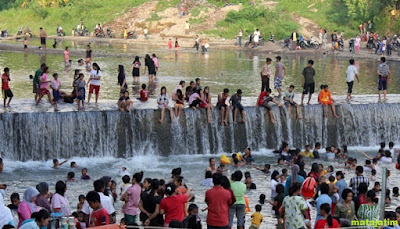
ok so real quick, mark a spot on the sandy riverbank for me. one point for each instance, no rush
(186, 43)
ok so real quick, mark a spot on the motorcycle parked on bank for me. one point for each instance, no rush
(287, 43)
(60, 32)
(312, 43)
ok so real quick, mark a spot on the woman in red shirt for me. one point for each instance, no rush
(172, 205)
(328, 221)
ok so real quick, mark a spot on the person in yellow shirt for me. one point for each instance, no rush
(307, 152)
(322, 171)
(257, 218)
(326, 100)
(125, 33)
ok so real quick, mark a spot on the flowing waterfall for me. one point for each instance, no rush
(41, 136)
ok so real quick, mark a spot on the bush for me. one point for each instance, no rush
(251, 18)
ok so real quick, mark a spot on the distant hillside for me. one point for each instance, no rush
(67, 13)
(211, 17)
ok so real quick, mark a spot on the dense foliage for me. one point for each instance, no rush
(251, 18)
(345, 15)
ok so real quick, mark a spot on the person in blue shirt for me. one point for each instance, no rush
(340, 184)
(322, 199)
(247, 156)
(330, 156)
(295, 177)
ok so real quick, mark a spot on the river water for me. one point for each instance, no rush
(217, 69)
(20, 175)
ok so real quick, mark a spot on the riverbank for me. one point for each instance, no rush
(186, 43)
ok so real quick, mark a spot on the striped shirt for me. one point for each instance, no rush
(356, 181)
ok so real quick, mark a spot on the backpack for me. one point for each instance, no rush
(308, 189)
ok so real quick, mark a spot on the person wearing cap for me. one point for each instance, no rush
(280, 72)
(340, 183)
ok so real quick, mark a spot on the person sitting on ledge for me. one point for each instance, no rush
(325, 99)
(263, 100)
(124, 103)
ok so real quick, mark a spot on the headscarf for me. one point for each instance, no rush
(5, 213)
(42, 187)
(295, 171)
(28, 195)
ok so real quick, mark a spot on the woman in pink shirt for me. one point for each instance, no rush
(133, 194)
(44, 85)
(66, 56)
(27, 206)
(357, 44)
(155, 60)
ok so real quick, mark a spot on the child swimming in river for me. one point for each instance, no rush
(56, 163)
(84, 174)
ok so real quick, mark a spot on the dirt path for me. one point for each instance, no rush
(169, 23)
(308, 27)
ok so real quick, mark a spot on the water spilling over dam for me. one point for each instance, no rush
(46, 135)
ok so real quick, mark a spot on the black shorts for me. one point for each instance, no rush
(136, 72)
(7, 94)
(195, 103)
(238, 106)
(152, 71)
(290, 103)
(382, 84)
(43, 40)
(219, 105)
(350, 87)
(308, 88)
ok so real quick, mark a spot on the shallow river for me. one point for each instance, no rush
(217, 69)
(20, 175)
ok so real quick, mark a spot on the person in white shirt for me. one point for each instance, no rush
(59, 202)
(351, 73)
(94, 81)
(256, 37)
(391, 148)
(163, 101)
(387, 157)
(105, 201)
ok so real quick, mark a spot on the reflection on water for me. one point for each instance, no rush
(217, 69)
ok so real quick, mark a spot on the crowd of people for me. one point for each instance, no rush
(156, 202)
(376, 44)
(193, 95)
